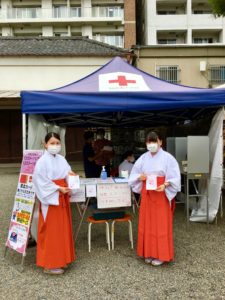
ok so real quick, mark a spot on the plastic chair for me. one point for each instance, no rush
(91, 221)
(126, 218)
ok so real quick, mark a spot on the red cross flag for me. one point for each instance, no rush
(120, 81)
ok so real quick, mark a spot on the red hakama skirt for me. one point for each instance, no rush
(155, 227)
(55, 245)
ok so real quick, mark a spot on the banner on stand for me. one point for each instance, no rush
(23, 203)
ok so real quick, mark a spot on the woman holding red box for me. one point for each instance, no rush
(156, 176)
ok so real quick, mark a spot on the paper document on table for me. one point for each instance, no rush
(120, 180)
(88, 181)
(91, 190)
(113, 195)
(78, 195)
(73, 182)
(124, 173)
(151, 182)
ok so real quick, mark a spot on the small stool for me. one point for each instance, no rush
(126, 218)
(91, 221)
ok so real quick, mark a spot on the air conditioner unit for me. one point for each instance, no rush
(202, 66)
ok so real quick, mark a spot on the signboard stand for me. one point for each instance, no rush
(23, 207)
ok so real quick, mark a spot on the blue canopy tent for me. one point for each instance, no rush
(119, 94)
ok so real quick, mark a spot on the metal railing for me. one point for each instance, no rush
(114, 40)
(24, 13)
(65, 12)
(216, 74)
(168, 73)
(107, 12)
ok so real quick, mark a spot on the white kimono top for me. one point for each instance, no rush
(160, 164)
(49, 167)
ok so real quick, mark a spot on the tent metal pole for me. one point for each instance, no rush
(24, 131)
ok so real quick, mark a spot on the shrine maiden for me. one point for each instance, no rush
(155, 227)
(55, 246)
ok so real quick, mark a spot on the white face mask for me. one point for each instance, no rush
(54, 149)
(152, 147)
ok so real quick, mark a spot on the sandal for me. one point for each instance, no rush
(148, 260)
(54, 271)
(157, 262)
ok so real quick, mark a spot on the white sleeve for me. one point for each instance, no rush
(134, 182)
(45, 189)
(173, 177)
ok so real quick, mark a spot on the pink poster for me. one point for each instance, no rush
(17, 237)
(30, 158)
(23, 204)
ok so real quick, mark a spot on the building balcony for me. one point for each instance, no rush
(171, 7)
(107, 12)
(171, 21)
(205, 21)
(59, 14)
(64, 12)
(169, 37)
(114, 40)
(24, 13)
(206, 36)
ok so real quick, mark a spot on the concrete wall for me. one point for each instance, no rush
(19, 73)
(187, 58)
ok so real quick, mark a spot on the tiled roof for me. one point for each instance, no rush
(56, 46)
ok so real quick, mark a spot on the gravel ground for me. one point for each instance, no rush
(197, 272)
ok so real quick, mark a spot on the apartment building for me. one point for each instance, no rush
(181, 41)
(178, 22)
(108, 21)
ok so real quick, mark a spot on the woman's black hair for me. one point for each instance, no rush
(126, 154)
(153, 136)
(50, 135)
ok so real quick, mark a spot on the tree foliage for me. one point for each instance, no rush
(218, 7)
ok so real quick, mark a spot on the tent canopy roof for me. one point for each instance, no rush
(121, 90)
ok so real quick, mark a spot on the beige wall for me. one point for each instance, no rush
(43, 73)
(186, 57)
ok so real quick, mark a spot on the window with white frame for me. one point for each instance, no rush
(115, 40)
(75, 11)
(24, 12)
(109, 11)
(168, 73)
(216, 74)
(60, 11)
(167, 41)
(201, 12)
(166, 12)
(203, 40)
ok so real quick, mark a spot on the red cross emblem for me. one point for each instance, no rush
(122, 81)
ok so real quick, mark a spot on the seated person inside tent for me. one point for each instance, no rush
(127, 164)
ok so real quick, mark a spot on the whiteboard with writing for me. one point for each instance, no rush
(113, 195)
